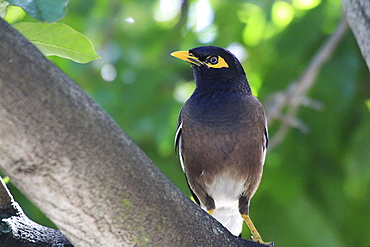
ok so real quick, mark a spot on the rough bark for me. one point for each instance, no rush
(358, 16)
(74, 162)
(17, 230)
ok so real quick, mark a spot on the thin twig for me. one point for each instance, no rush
(296, 94)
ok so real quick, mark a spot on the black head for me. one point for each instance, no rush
(215, 67)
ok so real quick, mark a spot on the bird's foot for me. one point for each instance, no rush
(210, 211)
(259, 240)
(256, 237)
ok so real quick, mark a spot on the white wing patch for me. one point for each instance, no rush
(265, 144)
(178, 145)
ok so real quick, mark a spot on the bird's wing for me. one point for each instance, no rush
(265, 143)
(266, 140)
(196, 199)
(178, 142)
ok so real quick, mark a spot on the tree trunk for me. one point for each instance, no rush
(74, 162)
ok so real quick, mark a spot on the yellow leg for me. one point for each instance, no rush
(210, 211)
(256, 236)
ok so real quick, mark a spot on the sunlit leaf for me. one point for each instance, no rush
(367, 102)
(306, 4)
(43, 10)
(6, 179)
(14, 14)
(255, 20)
(282, 13)
(59, 40)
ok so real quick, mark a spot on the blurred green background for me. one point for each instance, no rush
(316, 185)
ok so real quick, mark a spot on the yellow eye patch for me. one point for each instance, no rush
(216, 62)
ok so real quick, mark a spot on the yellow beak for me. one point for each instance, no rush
(186, 56)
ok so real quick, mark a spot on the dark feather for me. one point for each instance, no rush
(192, 192)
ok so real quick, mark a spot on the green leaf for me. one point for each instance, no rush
(367, 103)
(3, 6)
(43, 10)
(59, 40)
(6, 179)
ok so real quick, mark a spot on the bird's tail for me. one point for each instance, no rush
(229, 218)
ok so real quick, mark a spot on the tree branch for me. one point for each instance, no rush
(17, 230)
(74, 162)
(358, 16)
(296, 94)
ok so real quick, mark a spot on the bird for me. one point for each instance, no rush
(222, 138)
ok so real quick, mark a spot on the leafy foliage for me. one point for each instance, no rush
(316, 184)
(43, 10)
(58, 39)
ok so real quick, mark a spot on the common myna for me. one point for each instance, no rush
(222, 137)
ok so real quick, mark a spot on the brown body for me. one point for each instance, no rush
(229, 141)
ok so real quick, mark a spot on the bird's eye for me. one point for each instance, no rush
(213, 60)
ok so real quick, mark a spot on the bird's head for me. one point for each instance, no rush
(214, 67)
